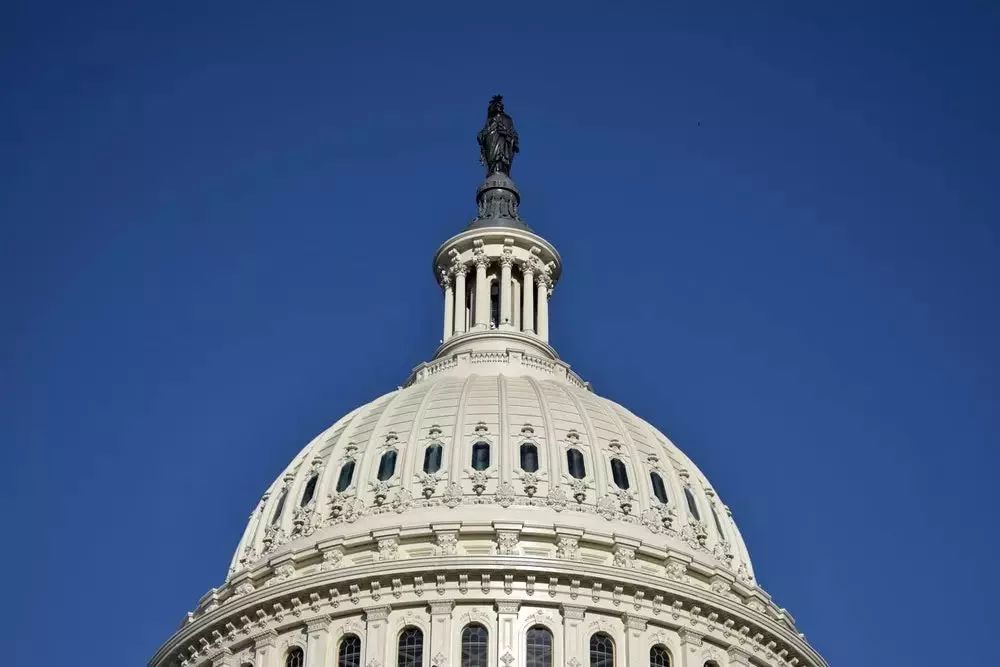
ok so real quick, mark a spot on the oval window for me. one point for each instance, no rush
(344, 479)
(619, 473)
(387, 465)
(529, 457)
(574, 461)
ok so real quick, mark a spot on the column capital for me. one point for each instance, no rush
(442, 607)
(458, 268)
(444, 278)
(738, 657)
(507, 258)
(690, 638)
(377, 613)
(264, 639)
(634, 622)
(318, 624)
(527, 266)
(480, 259)
(508, 606)
(572, 612)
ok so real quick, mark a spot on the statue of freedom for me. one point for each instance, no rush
(497, 139)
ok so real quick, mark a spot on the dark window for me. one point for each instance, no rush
(475, 646)
(619, 473)
(295, 657)
(387, 465)
(718, 524)
(659, 488)
(411, 648)
(602, 651)
(574, 459)
(278, 507)
(310, 491)
(346, 473)
(529, 457)
(495, 302)
(692, 505)
(480, 456)
(349, 651)
(432, 458)
(539, 647)
(658, 656)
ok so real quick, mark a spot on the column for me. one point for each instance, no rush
(440, 640)
(377, 634)
(317, 640)
(636, 652)
(265, 653)
(690, 645)
(506, 261)
(507, 630)
(573, 640)
(528, 298)
(224, 658)
(449, 307)
(543, 306)
(482, 291)
(460, 270)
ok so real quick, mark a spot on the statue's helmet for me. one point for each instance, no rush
(496, 106)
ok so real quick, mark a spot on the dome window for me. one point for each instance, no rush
(387, 465)
(620, 474)
(529, 457)
(345, 477)
(692, 505)
(718, 524)
(602, 650)
(432, 458)
(475, 646)
(295, 657)
(411, 648)
(659, 488)
(538, 647)
(349, 651)
(278, 507)
(659, 656)
(480, 456)
(574, 461)
(310, 490)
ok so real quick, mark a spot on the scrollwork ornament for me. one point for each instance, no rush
(453, 495)
(479, 479)
(556, 499)
(505, 494)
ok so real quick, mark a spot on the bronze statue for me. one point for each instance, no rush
(497, 139)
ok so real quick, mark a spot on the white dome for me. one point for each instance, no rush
(492, 509)
(505, 399)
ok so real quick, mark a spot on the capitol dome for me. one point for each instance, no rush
(493, 511)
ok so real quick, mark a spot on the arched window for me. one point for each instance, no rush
(480, 456)
(529, 457)
(310, 490)
(295, 657)
(411, 647)
(659, 656)
(278, 507)
(718, 524)
(619, 473)
(602, 650)
(349, 651)
(538, 647)
(432, 458)
(574, 460)
(659, 488)
(346, 474)
(692, 505)
(387, 465)
(475, 646)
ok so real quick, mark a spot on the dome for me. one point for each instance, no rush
(495, 433)
(491, 511)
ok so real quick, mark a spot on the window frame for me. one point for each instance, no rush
(391, 454)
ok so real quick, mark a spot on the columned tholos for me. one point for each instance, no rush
(482, 291)
(506, 261)
(460, 305)
(449, 307)
(543, 307)
(528, 297)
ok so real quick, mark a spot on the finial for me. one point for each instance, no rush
(497, 139)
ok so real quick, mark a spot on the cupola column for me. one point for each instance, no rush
(460, 270)
(449, 306)
(543, 306)
(528, 298)
(506, 261)
(482, 290)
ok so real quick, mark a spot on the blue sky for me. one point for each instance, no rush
(780, 229)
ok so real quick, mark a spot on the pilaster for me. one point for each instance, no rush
(573, 639)
(376, 634)
(318, 641)
(441, 631)
(507, 631)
